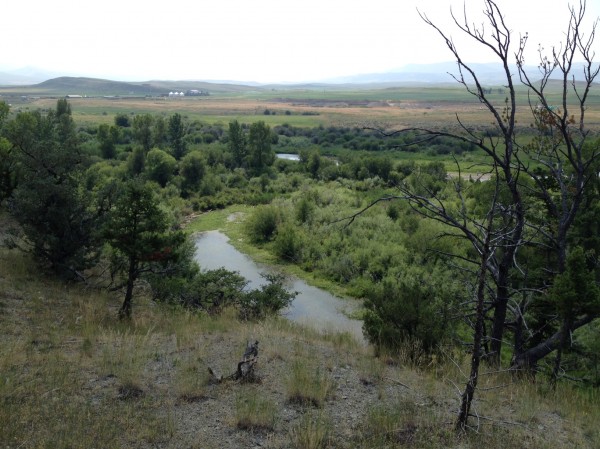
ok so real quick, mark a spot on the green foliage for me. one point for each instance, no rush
(402, 310)
(107, 138)
(136, 162)
(260, 154)
(314, 164)
(213, 290)
(122, 121)
(393, 211)
(159, 166)
(4, 110)
(237, 143)
(159, 132)
(8, 161)
(177, 134)
(289, 243)
(267, 300)
(574, 291)
(192, 169)
(305, 210)
(49, 202)
(142, 130)
(262, 223)
(429, 179)
(139, 231)
(9, 169)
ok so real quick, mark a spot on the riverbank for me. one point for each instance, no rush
(74, 376)
(230, 221)
(312, 306)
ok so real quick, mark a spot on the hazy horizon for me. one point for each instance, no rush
(261, 42)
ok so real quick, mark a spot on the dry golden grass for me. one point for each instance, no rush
(427, 113)
(73, 376)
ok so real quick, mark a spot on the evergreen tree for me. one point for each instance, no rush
(50, 203)
(139, 231)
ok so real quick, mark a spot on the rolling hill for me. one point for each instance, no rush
(91, 87)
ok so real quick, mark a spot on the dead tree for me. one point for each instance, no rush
(245, 367)
(564, 150)
(501, 151)
(564, 155)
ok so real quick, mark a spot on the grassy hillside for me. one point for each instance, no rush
(67, 85)
(73, 376)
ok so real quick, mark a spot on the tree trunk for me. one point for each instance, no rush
(565, 332)
(125, 311)
(469, 393)
(516, 220)
(528, 360)
(498, 323)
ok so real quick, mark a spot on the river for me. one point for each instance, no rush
(312, 306)
(288, 156)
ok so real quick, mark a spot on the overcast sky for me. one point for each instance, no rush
(253, 40)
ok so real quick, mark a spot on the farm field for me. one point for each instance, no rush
(434, 106)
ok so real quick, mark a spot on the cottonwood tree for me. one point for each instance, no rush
(107, 138)
(237, 143)
(192, 170)
(260, 153)
(177, 132)
(142, 130)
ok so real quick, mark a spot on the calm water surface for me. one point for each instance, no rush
(312, 306)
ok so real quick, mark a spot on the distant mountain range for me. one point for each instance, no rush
(24, 76)
(31, 80)
(417, 74)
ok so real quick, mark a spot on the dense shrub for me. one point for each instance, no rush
(192, 170)
(262, 224)
(214, 290)
(305, 210)
(288, 243)
(269, 299)
(400, 311)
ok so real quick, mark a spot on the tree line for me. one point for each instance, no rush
(75, 215)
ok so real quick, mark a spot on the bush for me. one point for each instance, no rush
(193, 169)
(262, 224)
(270, 299)
(399, 312)
(305, 210)
(213, 290)
(288, 244)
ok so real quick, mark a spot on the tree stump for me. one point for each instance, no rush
(245, 367)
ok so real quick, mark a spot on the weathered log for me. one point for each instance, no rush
(245, 367)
